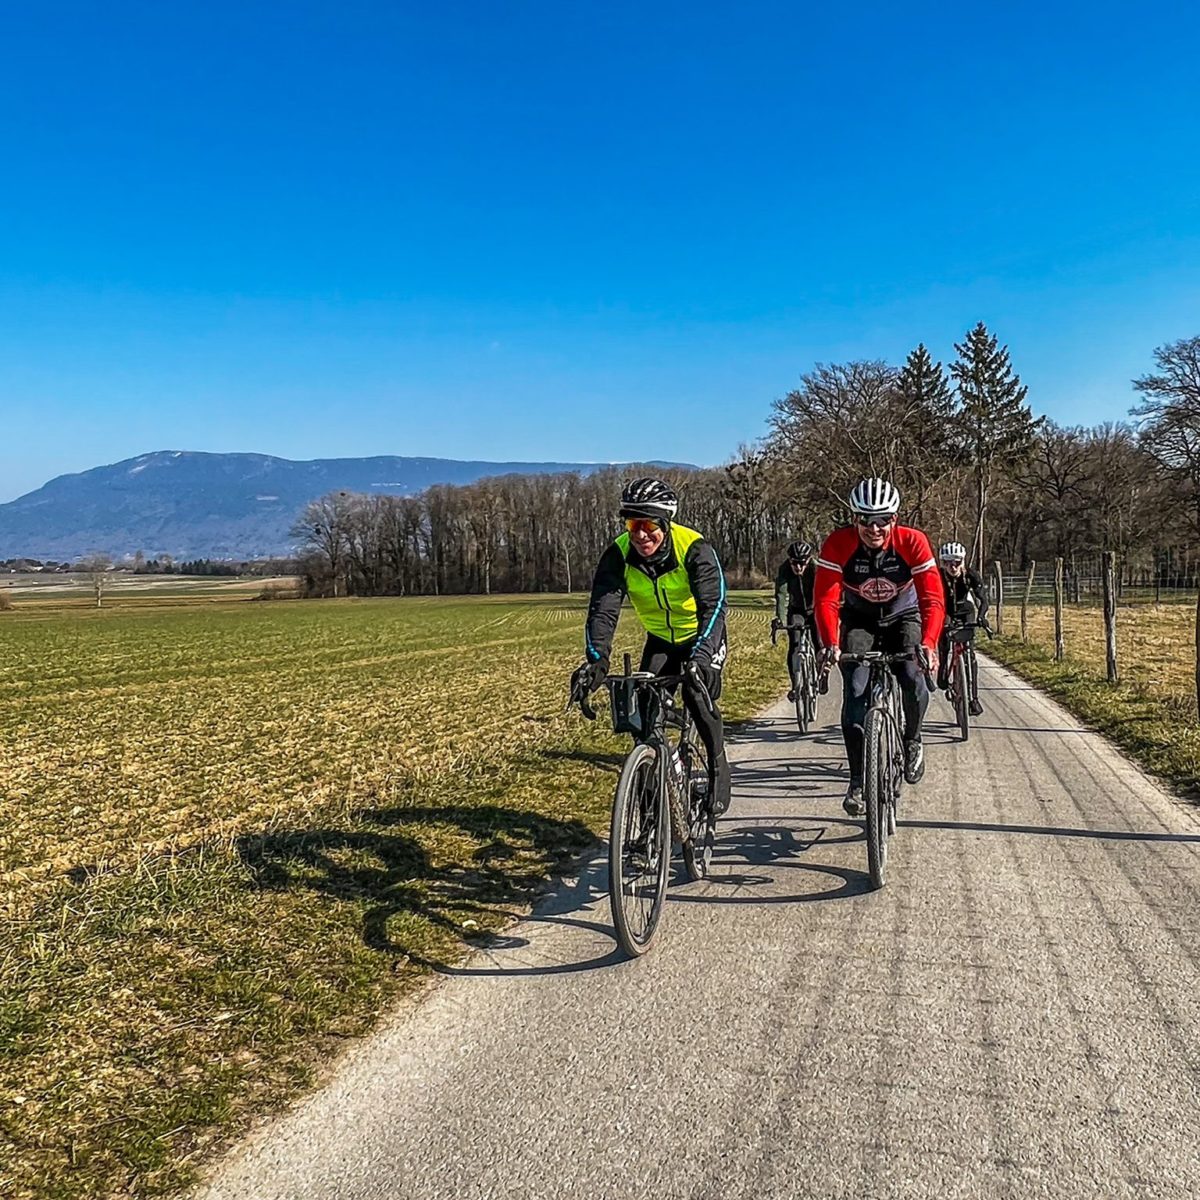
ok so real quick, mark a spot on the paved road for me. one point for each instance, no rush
(1017, 1014)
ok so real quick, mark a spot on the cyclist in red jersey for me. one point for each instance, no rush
(878, 588)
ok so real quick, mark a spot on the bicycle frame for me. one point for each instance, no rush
(883, 771)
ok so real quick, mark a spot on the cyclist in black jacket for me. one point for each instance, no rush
(966, 599)
(794, 603)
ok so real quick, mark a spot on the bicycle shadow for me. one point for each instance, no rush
(417, 906)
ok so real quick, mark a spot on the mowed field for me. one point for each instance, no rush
(230, 831)
(1151, 713)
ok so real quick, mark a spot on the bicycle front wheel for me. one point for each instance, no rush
(639, 851)
(810, 688)
(962, 696)
(877, 787)
(799, 692)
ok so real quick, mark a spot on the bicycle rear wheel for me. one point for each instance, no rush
(962, 696)
(877, 788)
(639, 852)
(702, 822)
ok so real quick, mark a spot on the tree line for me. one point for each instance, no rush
(972, 462)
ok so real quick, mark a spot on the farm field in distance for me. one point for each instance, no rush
(229, 831)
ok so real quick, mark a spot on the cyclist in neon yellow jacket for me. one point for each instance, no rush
(675, 583)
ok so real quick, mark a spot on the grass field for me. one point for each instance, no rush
(1152, 712)
(229, 832)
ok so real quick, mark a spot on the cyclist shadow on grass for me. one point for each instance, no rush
(425, 879)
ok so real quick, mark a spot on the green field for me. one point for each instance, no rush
(230, 831)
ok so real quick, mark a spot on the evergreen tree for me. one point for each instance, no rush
(993, 420)
(927, 411)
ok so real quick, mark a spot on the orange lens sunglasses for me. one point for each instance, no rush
(640, 525)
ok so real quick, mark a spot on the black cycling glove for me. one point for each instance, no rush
(707, 675)
(588, 677)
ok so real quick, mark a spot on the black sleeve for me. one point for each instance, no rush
(708, 586)
(975, 580)
(782, 593)
(808, 579)
(604, 608)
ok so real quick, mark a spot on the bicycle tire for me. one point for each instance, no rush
(810, 688)
(702, 822)
(962, 692)
(799, 703)
(876, 792)
(635, 814)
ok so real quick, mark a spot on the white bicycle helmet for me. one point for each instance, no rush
(952, 550)
(874, 498)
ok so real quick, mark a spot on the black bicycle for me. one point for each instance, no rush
(662, 796)
(805, 678)
(883, 755)
(962, 672)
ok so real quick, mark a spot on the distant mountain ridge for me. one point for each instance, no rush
(193, 504)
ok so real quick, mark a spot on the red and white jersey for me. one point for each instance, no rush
(878, 587)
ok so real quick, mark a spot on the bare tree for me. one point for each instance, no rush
(97, 567)
(1169, 417)
(324, 528)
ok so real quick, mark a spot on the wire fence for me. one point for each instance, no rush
(1088, 589)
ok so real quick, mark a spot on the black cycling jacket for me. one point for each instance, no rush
(608, 592)
(960, 588)
(794, 593)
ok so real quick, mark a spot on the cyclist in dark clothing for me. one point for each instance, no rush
(966, 600)
(794, 603)
(878, 589)
(675, 583)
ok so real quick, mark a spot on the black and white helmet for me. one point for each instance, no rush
(874, 498)
(649, 498)
(799, 552)
(951, 551)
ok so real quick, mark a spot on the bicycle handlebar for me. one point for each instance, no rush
(777, 625)
(953, 625)
(658, 682)
(879, 656)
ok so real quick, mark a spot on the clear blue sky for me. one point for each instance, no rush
(549, 230)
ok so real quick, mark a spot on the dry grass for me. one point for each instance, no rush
(1151, 712)
(229, 832)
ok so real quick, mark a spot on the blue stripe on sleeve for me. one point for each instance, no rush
(720, 604)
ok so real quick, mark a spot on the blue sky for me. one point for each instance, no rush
(546, 230)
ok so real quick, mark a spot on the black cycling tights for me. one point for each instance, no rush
(892, 639)
(663, 658)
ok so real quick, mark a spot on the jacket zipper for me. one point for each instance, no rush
(663, 603)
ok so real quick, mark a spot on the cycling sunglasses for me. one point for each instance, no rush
(880, 521)
(641, 525)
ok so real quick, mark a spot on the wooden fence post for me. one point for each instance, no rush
(1058, 603)
(1110, 616)
(1025, 600)
(999, 597)
(1198, 652)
